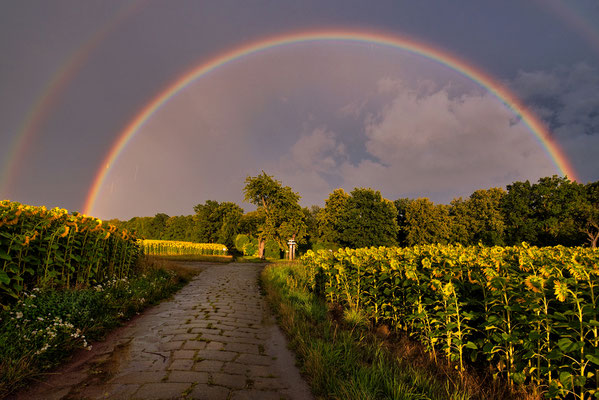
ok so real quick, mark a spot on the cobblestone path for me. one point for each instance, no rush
(215, 340)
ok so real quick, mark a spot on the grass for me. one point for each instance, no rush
(341, 354)
(203, 258)
(253, 259)
(43, 328)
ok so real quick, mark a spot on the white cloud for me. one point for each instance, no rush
(432, 143)
(318, 151)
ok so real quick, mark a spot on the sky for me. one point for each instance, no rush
(315, 114)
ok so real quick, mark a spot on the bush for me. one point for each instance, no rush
(241, 241)
(272, 250)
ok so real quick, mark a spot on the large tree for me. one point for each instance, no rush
(426, 222)
(157, 226)
(181, 227)
(587, 213)
(368, 220)
(330, 218)
(546, 213)
(518, 214)
(555, 204)
(401, 205)
(279, 206)
(218, 222)
(311, 220)
(478, 219)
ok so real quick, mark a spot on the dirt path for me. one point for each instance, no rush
(215, 340)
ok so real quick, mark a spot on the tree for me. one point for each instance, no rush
(520, 224)
(279, 205)
(426, 222)
(250, 222)
(218, 222)
(555, 201)
(368, 220)
(311, 220)
(461, 221)
(588, 213)
(180, 228)
(478, 219)
(330, 218)
(401, 205)
(546, 213)
(157, 226)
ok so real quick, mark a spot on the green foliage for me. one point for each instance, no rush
(368, 220)
(478, 219)
(247, 245)
(426, 222)
(530, 314)
(241, 241)
(311, 220)
(162, 227)
(330, 218)
(279, 206)
(272, 250)
(217, 222)
(546, 213)
(587, 214)
(250, 222)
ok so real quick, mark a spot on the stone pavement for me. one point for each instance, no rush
(215, 340)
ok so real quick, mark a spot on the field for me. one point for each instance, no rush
(527, 315)
(179, 248)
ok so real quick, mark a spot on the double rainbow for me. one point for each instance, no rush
(403, 43)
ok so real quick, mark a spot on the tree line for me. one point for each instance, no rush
(550, 212)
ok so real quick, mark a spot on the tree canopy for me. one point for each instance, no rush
(552, 211)
(368, 220)
(279, 206)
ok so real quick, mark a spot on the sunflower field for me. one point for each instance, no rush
(177, 248)
(41, 247)
(526, 314)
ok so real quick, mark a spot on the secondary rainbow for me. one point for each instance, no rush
(50, 94)
(384, 39)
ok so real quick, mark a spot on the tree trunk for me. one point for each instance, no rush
(261, 244)
(593, 236)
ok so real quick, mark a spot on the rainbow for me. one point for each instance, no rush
(399, 42)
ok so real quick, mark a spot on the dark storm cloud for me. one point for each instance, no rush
(567, 99)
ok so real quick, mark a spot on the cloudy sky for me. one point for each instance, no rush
(317, 115)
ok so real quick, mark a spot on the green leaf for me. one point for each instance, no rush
(518, 377)
(4, 278)
(565, 345)
(4, 255)
(592, 358)
(470, 345)
(565, 379)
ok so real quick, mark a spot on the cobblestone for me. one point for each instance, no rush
(214, 340)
